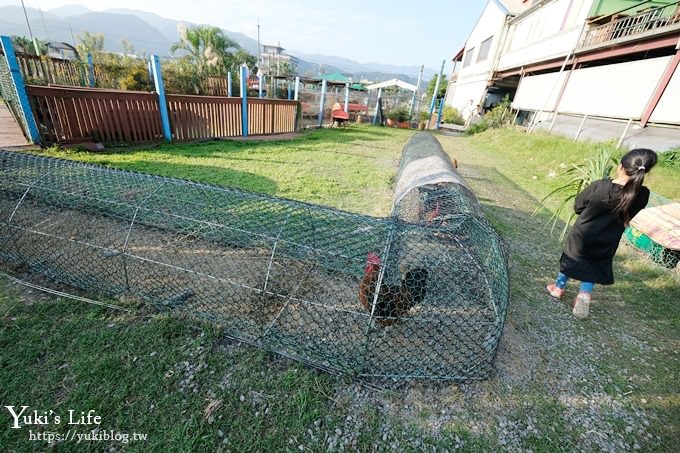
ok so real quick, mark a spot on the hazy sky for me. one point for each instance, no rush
(382, 31)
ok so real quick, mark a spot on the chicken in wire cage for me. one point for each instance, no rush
(420, 294)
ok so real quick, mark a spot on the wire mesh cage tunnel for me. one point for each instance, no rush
(420, 294)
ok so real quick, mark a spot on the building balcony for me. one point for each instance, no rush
(622, 28)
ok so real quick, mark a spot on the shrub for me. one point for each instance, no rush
(451, 115)
(399, 114)
(477, 127)
(578, 177)
(136, 79)
(501, 115)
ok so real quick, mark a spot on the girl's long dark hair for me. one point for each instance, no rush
(636, 163)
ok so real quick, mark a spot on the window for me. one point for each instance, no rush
(468, 57)
(484, 49)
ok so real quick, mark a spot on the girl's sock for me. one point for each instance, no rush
(561, 281)
(587, 287)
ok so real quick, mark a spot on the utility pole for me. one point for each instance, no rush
(30, 33)
(73, 41)
(415, 93)
(258, 43)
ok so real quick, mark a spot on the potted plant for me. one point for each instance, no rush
(398, 117)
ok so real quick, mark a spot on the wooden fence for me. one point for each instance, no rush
(215, 86)
(70, 115)
(198, 117)
(270, 116)
(52, 70)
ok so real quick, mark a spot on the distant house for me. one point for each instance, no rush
(612, 60)
(274, 62)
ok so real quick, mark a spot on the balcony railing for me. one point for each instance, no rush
(622, 27)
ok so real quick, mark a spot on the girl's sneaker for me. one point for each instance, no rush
(554, 291)
(582, 305)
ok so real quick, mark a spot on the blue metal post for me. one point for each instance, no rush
(90, 70)
(260, 80)
(346, 97)
(290, 91)
(322, 102)
(297, 89)
(162, 102)
(244, 100)
(149, 69)
(377, 104)
(229, 83)
(17, 78)
(439, 115)
(436, 88)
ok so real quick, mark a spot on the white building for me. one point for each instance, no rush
(560, 60)
(474, 65)
(274, 62)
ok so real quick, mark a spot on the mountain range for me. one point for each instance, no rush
(150, 33)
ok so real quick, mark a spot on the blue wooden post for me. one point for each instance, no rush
(439, 115)
(244, 100)
(377, 104)
(322, 101)
(436, 88)
(20, 88)
(297, 89)
(346, 97)
(162, 102)
(90, 70)
(229, 83)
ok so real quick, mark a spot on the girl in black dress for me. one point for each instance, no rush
(605, 208)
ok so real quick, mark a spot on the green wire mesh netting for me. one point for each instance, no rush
(294, 278)
(655, 252)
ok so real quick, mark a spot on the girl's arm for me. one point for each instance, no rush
(583, 198)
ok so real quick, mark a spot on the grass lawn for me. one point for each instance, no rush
(607, 383)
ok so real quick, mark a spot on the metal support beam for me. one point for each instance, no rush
(90, 70)
(346, 97)
(322, 102)
(660, 88)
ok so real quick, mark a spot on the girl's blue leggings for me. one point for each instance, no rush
(561, 282)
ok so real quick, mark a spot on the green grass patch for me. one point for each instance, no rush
(349, 169)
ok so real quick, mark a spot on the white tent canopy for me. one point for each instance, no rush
(392, 83)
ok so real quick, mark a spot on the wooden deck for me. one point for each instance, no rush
(11, 135)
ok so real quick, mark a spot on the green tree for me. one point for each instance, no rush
(128, 48)
(238, 58)
(23, 44)
(207, 48)
(92, 43)
(442, 88)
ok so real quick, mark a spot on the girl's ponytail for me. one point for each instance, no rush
(636, 163)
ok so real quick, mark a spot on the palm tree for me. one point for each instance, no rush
(208, 48)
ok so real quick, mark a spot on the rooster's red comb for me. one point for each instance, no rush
(373, 258)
